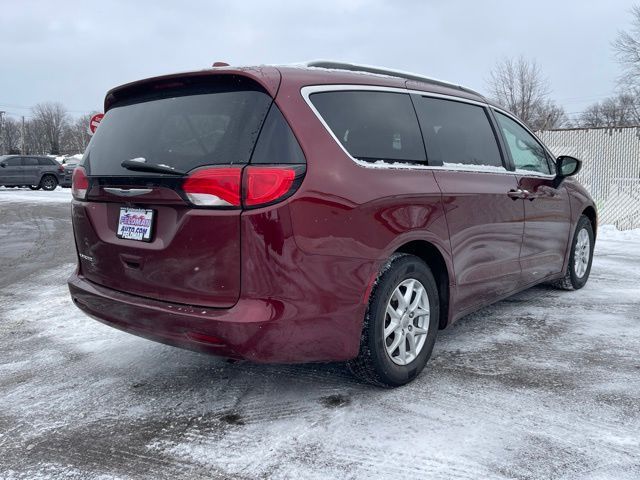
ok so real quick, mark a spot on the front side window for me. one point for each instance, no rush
(526, 151)
(457, 133)
(373, 126)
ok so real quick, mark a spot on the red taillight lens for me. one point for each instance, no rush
(267, 184)
(61, 168)
(221, 186)
(79, 183)
(215, 187)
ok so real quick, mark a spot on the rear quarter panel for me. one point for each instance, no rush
(349, 210)
(345, 210)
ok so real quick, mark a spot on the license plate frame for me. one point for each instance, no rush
(136, 224)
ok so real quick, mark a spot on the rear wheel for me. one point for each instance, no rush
(400, 324)
(48, 183)
(580, 258)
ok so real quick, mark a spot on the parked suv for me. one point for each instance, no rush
(68, 166)
(30, 171)
(322, 213)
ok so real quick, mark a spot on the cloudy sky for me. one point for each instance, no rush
(74, 51)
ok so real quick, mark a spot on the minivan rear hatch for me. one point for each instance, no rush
(138, 230)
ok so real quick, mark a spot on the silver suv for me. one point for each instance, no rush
(30, 171)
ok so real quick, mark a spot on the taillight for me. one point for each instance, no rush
(267, 184)
(214, 187)
(237, 186)
(61, 168)
(79, 183)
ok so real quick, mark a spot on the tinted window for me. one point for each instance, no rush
(526, 151)
(457, 133)
(13, 162)
(184, 129)
(277, 144)
(29, 162)
(373, 125)
(45, 162)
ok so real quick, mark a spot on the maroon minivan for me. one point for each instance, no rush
(325, 212)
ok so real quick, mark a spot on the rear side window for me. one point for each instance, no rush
(29, 162)
(373, 125)
(457, 133)
(13, 162)
(277, 144)
(45, 162)
(215, 123)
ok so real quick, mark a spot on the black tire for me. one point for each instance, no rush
(571, 279)
(48, 183)
(373, 364)
(34, 187)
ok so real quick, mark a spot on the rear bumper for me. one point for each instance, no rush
(259, 330)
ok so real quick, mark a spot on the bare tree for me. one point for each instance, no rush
(10, 140)
(548, 115)
(593, 116)
(76, 137)
(519, 86)
(627, 50)
(35, 140)
(50, 119)
(619, 111)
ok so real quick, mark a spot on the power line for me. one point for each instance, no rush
(18, 115)
(24, 107)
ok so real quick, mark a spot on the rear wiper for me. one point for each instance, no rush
(140, 165)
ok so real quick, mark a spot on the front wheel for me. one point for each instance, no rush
(48, 183)
(580, 257)
(400, 324)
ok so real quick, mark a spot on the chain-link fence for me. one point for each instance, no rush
(610, 169)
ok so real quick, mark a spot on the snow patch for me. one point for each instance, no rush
(25, 195)
(474, 168)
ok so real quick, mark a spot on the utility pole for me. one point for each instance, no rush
(22, 150)
(2, 112)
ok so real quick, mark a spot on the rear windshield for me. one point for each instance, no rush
(183, 128)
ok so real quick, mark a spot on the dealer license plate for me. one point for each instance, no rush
(135, 224)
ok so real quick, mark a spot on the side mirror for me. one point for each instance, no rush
(566, 166)
(2, 164)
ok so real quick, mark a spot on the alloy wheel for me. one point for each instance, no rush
(48, 183)
(406, 322)
(582, 253)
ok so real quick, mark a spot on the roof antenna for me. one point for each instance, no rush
(220, 64)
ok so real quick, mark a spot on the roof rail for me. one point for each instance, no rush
(385, 71)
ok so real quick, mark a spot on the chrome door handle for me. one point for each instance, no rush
(127, 192)
(519, 193)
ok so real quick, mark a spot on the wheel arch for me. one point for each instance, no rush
(434, 258)
(591, 214)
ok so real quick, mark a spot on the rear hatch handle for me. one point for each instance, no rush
(127, 192)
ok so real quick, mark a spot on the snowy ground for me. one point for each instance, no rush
(34, 196)
(543, 385)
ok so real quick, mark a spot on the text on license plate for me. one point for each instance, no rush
(135, 223)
